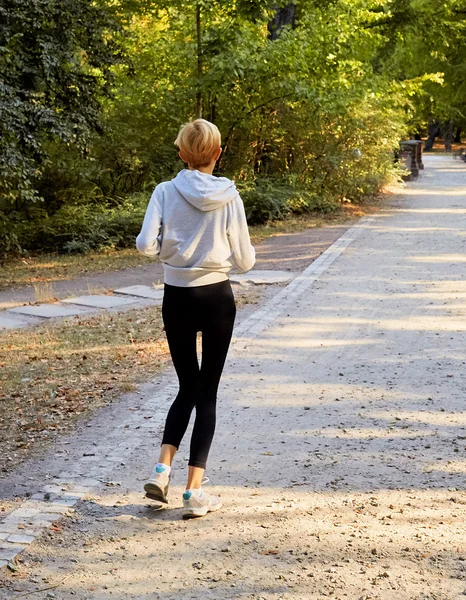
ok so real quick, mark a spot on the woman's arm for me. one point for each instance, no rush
(243, 253)
(148, 241)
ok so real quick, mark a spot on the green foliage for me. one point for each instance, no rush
(267, 199)
(84, 227)
(55, 58)
(93, 93)
(425, 40)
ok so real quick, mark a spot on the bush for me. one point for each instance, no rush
(84, 227)
(268, 199)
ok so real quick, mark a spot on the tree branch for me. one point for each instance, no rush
(246, 114)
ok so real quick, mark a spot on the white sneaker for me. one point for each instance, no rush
(156, 487)
(197, 503)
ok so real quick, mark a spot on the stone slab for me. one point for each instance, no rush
(48, 311)
(54, 489)
(19, 527)
(9, 321)
(25, 512)
(59, 502)
(263, 277)
(9, 551)
(45, 518)
(142, 291)
(21, 539)
(97, 301)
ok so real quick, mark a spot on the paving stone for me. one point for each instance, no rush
(40, 496)
(48, 311)
(21, 539)
(263, 277)
(9, 321)
(3, 536)
(54, 489)
(43, 523)
(97, 301)
(142, 291)
(10, 521)
(9, 551)
(64, 501)
(45, 518)
(3, 563)
(24, 512)
(17, 528)
(73, 496)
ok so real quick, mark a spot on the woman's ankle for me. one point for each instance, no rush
(167, 454)
(195, 475)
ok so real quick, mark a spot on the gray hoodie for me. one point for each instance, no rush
(197, 223)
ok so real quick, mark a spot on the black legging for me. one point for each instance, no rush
(211, 310)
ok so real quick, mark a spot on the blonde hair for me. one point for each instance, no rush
(199, 140)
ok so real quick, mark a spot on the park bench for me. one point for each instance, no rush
(461, 153)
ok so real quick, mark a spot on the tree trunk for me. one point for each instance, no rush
(283, 16)
(213, 109)
(199, 62)
(433, 133)
(458, 136)
(448, 135)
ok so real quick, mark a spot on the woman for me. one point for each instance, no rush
(197, 224)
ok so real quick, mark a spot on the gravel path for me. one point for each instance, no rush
(340, 453)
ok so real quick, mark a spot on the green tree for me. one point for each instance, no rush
(426, 39)
(55, 61)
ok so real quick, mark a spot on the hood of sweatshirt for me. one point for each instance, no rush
(205, 192)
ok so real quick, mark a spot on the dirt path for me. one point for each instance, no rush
(290, 252)
(340, 453)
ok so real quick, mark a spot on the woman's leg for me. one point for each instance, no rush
(181, 333)
(167, 454)
(217, 328)
(195, 475)
(178, 316)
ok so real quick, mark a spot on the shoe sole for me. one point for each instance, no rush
(155, 493)
(196, 513)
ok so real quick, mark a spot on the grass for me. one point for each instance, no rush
(52, 375)
(43, 292)
(46, 269)
(295, 224)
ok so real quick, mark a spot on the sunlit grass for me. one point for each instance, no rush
(313, 220)
(53, 373)
(49, 268)
(43, 292)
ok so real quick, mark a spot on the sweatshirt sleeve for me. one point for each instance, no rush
(243, 253)
(149, 240)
